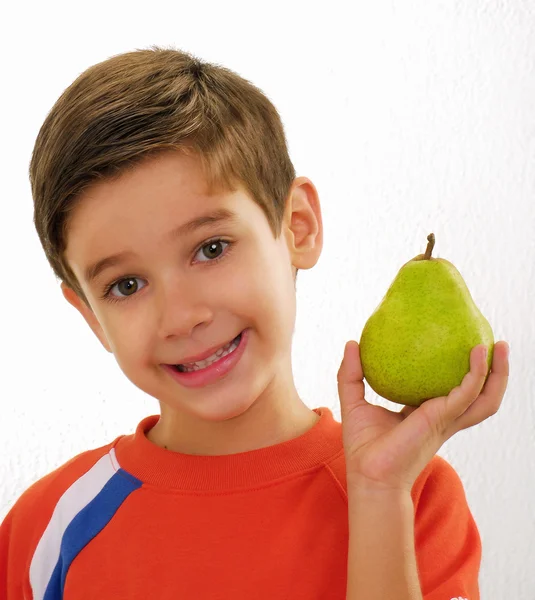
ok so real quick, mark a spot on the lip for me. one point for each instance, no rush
(213, 372)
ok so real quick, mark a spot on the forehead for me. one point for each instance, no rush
(160, 188)
(174, 176)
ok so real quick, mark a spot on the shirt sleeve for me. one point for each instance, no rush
(4, 550)
(448, 544)
(11, 565)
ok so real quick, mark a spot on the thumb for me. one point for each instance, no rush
(350, 380)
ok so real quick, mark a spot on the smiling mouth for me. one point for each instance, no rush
(225, 350)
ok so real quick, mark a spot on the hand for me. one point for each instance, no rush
(388, 450)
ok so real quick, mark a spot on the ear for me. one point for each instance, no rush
(302, 225)
(86, 312)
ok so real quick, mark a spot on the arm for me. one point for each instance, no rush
(385, 453)
(382, 557)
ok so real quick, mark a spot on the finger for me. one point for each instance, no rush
(350, 380)
(463, 396)
(425, 428)
(490, 399)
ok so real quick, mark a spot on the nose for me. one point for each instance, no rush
(182, 308)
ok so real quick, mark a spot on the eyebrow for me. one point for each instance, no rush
(217, 216)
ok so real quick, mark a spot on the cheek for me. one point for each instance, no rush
(272, 294)
(259, 289)
(128, 334)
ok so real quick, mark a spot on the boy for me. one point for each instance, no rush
(168, 207)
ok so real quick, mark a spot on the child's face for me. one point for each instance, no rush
(176, 297)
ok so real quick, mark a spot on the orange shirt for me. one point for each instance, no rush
(135, 521)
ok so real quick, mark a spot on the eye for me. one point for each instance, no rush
(126, 287)
(212, 250)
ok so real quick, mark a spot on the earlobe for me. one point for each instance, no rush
(72, 298)
(303, 224)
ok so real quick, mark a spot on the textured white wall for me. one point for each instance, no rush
(410, 117)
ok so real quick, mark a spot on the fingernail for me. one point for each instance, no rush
(485, 352)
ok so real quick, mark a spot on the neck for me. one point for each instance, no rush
(276, 416)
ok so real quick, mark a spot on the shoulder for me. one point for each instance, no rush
(442, 511)
(439, 483)
(54, 484)
(29, 516)
(34, 513)
(448, 543)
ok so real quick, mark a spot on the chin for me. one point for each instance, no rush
(224, 412)
(221, 408)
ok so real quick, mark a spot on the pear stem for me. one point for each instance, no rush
(430, 246)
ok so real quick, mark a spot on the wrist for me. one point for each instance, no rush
(381, 540)
(381, 501)
(365, 488)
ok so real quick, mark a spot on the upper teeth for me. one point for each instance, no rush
(201, 364)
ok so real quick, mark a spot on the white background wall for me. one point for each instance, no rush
(410, 117)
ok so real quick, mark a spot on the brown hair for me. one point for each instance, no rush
(138, 104)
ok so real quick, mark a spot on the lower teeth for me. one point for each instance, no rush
(182, 369)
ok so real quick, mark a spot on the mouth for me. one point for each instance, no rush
(228, 348)
(211, 369)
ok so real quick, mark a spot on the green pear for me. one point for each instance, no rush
(416, 345)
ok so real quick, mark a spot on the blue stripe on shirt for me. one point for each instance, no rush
(88, 523)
